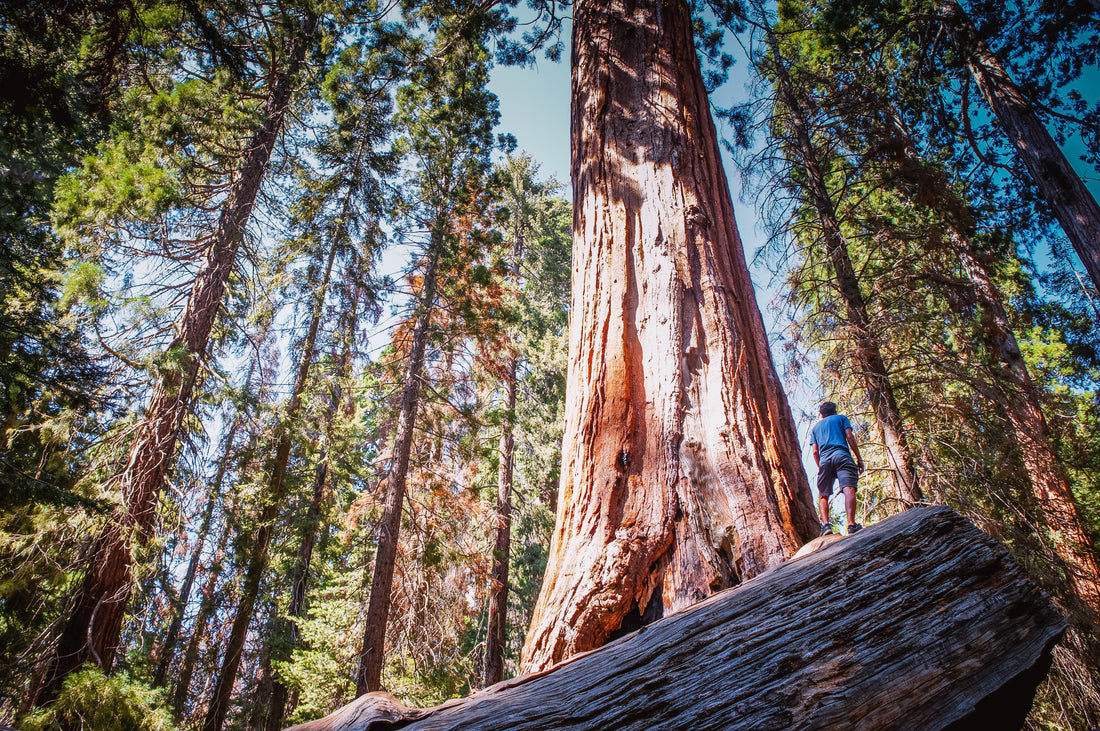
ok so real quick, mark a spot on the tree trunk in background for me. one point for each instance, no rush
(287, 636)
(273, 503)
(1032, 435)
(91, 632)
(180, 608)
(498, 603)
(1070, 201)
(868, 353)
(368, 678)
(198, 630)
(681, 469)
(1020, 399)
(262, 684)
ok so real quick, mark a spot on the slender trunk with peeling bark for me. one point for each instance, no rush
(368, 678)
(1070, 201)
(498, 603)
(92, 631)
(1030, 431)
(868, 353)
(1019, 398)
(681, 469)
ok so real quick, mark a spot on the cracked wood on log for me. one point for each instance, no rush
(918, 622)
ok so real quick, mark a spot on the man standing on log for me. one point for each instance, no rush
(831, 437)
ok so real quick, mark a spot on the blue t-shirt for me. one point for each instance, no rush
(828, 435)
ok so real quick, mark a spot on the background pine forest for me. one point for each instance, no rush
(283, 307)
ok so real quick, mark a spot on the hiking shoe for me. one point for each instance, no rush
(854, 528)
(826, 530)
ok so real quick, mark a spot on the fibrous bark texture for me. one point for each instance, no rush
(918, 622)
(681, 470)
(496, 637)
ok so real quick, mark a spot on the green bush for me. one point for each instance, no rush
(91, 701)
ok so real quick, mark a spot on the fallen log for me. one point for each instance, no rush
(918, 622)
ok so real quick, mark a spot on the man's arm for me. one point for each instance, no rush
(851, 437)
(817, 455)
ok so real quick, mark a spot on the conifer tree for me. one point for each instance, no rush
(448, 116)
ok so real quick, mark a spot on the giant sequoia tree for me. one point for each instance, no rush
(681, 470)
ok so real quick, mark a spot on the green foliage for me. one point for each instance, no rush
(91, 701)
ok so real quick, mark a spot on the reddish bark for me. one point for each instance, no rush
(1031, 432)
(498, 603)
(368, 678)
(681, 470)
(1017, 393)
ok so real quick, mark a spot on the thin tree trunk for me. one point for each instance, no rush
(299, 581)
(91, 633)
(273, 502)
(263, 682)
(1070, 201)
(681, 469)
(1022, 405)
(283, 699)
(198, 630)
(498, 605)
(368, 678)
(168, 649)
(868, 353)
(1032, 435)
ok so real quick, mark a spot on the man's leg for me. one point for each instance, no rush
(823, 508)
(850, 504)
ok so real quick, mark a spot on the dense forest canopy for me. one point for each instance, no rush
(313, 384)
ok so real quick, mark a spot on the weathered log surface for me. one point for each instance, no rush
(918, 622)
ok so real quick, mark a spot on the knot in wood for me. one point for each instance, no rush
(696, 218)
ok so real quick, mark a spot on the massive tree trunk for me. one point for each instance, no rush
(681, 469)
(274, 499)
(369, 675)
(919, 622)
(92, 630)
(868, 353)
(1070, 201)
(498, 603)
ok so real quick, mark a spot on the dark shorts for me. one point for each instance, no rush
(833, 468)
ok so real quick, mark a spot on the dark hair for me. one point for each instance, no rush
(827, 409)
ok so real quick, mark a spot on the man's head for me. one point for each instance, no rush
(827, 409)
